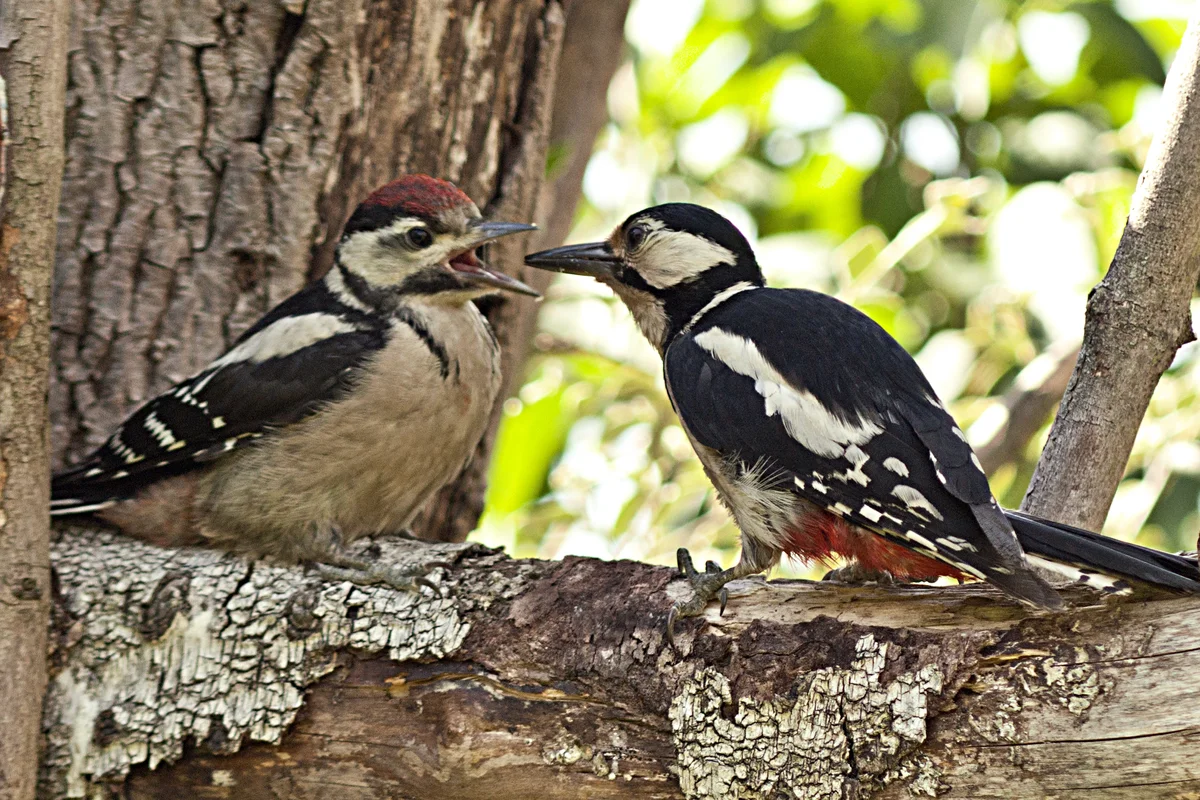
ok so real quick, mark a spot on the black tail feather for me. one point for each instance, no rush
(1086, 550)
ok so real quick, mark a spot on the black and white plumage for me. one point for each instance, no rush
(820, 433)
(338, 414)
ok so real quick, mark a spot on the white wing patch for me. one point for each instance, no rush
(858, 459)
(916, 501)
(284, 337)
(804, 417)
(159, 430)
(896, 465)
(957, 543)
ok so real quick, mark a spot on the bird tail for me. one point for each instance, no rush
(1101, 561)
(76, 491)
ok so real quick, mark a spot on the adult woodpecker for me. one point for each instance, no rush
(820, 433)
(335, 416)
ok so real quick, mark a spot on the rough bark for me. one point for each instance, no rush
(1137, 317)
(201, 675)
(215, 147)
(592, 51)
(33, 47)
(592, 46)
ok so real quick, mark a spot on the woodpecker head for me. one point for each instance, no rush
(666, 263)
(416, 236)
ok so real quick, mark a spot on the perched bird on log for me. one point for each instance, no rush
(820, 432)
(338, 414)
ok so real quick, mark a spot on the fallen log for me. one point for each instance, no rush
(191, 673)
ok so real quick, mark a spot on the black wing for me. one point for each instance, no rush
(813, 393)
(289, 364)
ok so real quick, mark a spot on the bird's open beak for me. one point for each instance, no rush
(595, 259)
(468, 267)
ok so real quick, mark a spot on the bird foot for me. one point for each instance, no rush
(406, 534)
(855, 573)
(706, 586)
(374, 573)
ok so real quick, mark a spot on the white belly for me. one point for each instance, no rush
(368, 463)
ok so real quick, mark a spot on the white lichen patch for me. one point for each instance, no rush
(1074, 682)
(844, 725)
(177, 646)
(1067, 678)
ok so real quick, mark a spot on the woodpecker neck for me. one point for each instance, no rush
(686, 303)
(357, 292)
(664, 313)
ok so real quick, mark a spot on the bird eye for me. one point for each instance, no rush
(420, 238)
(635, 236)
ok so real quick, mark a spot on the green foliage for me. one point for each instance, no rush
(961, 171)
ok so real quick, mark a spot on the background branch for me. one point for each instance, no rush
(33, 52)
(1137, 317)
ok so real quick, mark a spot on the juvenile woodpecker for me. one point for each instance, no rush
(335, 416)
(821, 434)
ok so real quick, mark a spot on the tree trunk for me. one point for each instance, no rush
(214, 149)
(591, 51)
(33, 46)
(202, 675)
(1137, 317)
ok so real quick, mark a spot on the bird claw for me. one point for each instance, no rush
(856, 574)
(406, 534)
(363, 573)
(706, 586)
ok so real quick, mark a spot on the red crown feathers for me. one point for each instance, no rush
(417, 194)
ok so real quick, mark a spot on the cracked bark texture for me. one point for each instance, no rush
(1137, 317)
(215, 147)
(192, 673)
(33, 45)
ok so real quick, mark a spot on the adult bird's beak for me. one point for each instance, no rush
(595, 259)
(469, 268)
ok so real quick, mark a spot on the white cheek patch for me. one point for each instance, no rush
(804, 417)
(365, 253)
(284, 337)
(667, 257)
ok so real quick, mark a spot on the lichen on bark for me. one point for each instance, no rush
(842, 724)
(200, 647)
